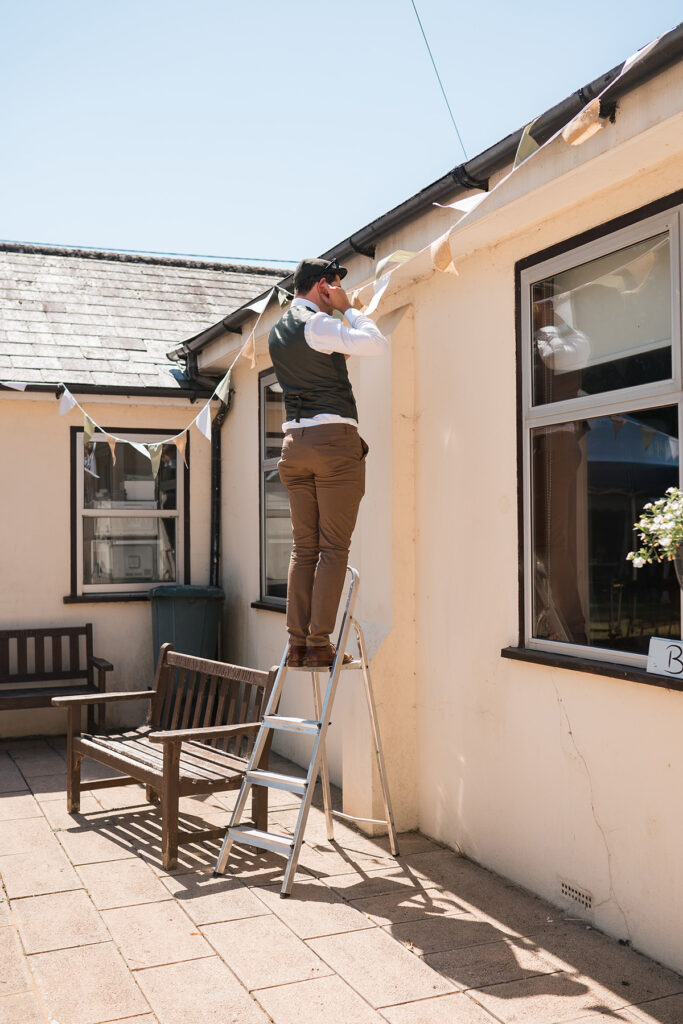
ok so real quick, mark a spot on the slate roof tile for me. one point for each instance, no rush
(87, 317)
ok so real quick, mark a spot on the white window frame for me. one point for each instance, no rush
(82, 513)
(658, 393)
(265, 465)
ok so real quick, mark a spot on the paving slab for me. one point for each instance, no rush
(86, 985)
(361, 884)
(37, 871)
(549, 999)
(16, 836)
(87, 844)
(5, 916)
(57, 921)
(263, 952)
(59, 818)
(313, 909)
(328, 1000)
(458, 1008)
(122, 883)
(14, 976)
(413, 905)
(11, 779)
(489, 964)
(49, 787)
(198, 992)
(379, 969)
(15, 806)
(155, 933)
(659, 1011)
(119, 797)
(208, 900)
(41, 762)
(435, 934)
(21, 1009)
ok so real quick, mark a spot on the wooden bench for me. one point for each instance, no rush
(200, 730)
(37, 665)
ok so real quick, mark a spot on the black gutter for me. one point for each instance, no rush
(216, 484)
(475, 173)
(191, 394)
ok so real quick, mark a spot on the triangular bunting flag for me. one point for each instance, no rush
(223, 390)
(15, 385)
(155, 452)
(259, 306)
(249, 350)
(203, 421)
(527, 145)
(111, 441)
(400, 256)
(66, 402)
(89, 427)
(283, 297)
(142, 448)
(181, 443)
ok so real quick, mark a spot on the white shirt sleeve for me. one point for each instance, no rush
(326, 334)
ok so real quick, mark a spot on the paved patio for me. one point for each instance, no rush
(93, 930)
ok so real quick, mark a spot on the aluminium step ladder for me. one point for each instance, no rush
(290, 846)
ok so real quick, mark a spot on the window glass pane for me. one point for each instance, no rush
(130, 483)
(126, 549)
(274, 417)
(590, 480)
(277, 535)
(603, 325)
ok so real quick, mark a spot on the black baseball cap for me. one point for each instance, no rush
(318, 269)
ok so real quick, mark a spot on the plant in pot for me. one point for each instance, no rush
(660, 531)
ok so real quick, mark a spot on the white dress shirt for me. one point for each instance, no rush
(327, 334)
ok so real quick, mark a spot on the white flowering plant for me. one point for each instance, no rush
(660, 529)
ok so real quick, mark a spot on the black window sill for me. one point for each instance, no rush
(103, 598)
(270, 606)
(596, 668)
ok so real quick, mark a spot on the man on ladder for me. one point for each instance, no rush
(323, 456)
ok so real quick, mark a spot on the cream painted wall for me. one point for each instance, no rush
(35, 540)
(543, 775)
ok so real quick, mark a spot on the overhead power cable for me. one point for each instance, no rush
(436, 72)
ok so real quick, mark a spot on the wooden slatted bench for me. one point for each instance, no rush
(200, 730)
(39, 664)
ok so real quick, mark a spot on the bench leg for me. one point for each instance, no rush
(259, 807)
(73, 762)
(170, 787)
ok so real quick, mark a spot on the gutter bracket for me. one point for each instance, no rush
(461, 175)
(368, 250)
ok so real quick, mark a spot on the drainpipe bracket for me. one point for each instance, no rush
(462, 176)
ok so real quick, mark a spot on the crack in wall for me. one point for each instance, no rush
(612, 894)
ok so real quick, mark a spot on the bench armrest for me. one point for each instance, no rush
(101, 663)
(101, 698)
(212, 732)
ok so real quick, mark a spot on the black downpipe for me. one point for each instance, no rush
(215, 552)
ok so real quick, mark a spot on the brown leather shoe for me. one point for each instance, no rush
(296, 654)
(322, 657)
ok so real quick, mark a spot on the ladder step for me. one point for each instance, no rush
(264, 840)
(288, 724)
(275, 780)
(356, 663)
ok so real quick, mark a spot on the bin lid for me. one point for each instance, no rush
(187, 590)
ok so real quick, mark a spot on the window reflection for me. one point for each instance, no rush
(125, 549)
(591, 478)
(129, 483)
(603, 325)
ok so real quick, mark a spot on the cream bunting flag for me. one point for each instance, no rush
(155, 453)
(66, 402)
(259, 307)
(283, 297)
(249, 350)
(89, 427)
(400, 256)
(181, 443)
(203, 421)
(139, 448)
(222, 392)
(15, 385)
(527, 145)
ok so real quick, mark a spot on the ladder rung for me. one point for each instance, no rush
(356, 663)
(288, 724)
(275, 780)
(264, 840)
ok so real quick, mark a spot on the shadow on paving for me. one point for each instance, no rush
(488, 937)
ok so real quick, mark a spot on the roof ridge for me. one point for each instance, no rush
(124, 257)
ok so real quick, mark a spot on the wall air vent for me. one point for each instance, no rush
(577, 896)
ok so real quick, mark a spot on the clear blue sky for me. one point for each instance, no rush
(266, 129)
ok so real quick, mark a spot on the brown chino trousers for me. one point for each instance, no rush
(323, 469)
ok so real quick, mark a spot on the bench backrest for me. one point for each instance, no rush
(194, 693)
(51, 655)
